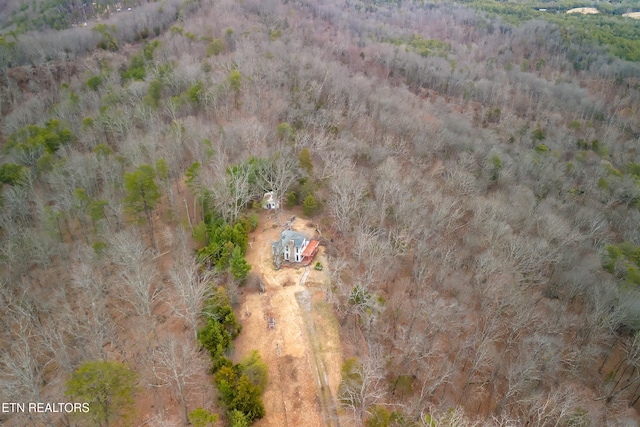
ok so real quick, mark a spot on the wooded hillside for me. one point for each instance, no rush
(476, 181)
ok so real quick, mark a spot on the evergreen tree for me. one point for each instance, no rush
(235, 83)
(309, 205)
(305, 160)
(215, 338)
(142, 193)
(239, 266)
(247, 399)
(238, 419)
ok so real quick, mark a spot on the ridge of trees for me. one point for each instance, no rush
(609, 28)
(478, 200)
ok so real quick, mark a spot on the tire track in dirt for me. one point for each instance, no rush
(329, 411)
(268, 311)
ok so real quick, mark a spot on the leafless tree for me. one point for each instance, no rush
(138, 273)
(345, 203)
(176, 365)
(482, 346)
(23, 362)
(363, 388)
(231, 189)
(388, 189)
(625, 375)
(277, 175)
(452, 416)
(193, 287)
(554, 408)
(97, 326)
(373, 250)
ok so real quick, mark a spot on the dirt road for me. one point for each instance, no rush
(303, 348)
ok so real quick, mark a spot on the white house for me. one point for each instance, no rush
(294, 247)
(269, 201)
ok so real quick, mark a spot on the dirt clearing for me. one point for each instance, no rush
(302, 349)
(584, 10)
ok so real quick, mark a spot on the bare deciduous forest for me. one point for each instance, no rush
(475, 180)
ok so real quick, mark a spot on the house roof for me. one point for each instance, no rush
(290, 235)
(311, 248)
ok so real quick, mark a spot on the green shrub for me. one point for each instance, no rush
(275, 34)
(136, 70)
(574, 125)
(87, 123)
(45, 163)
(602, 183)
(11, 174)
(611, 170)
(94, 83)
(202, 418)
(623, 260)
(538, 134)
(215, 48)
(108, 40)
(253, 222)
(284, 131)
(309, 205)
(541, 148)
(633, 169)
(155, 93)
(196, 92)
(497, 166)
(292, 199)
(255, 369)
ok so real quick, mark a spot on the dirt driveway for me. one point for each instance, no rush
(303, 349)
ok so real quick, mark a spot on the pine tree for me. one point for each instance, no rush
(305, 160)
(309, 205)
(238, 419)
(247, 399)
(239, 266)
(142, 194)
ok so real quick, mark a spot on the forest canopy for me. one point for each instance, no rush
(470, 172)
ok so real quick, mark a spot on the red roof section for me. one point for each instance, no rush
(311, 249)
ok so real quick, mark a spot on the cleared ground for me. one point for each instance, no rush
(303, 350)
(584, 10)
